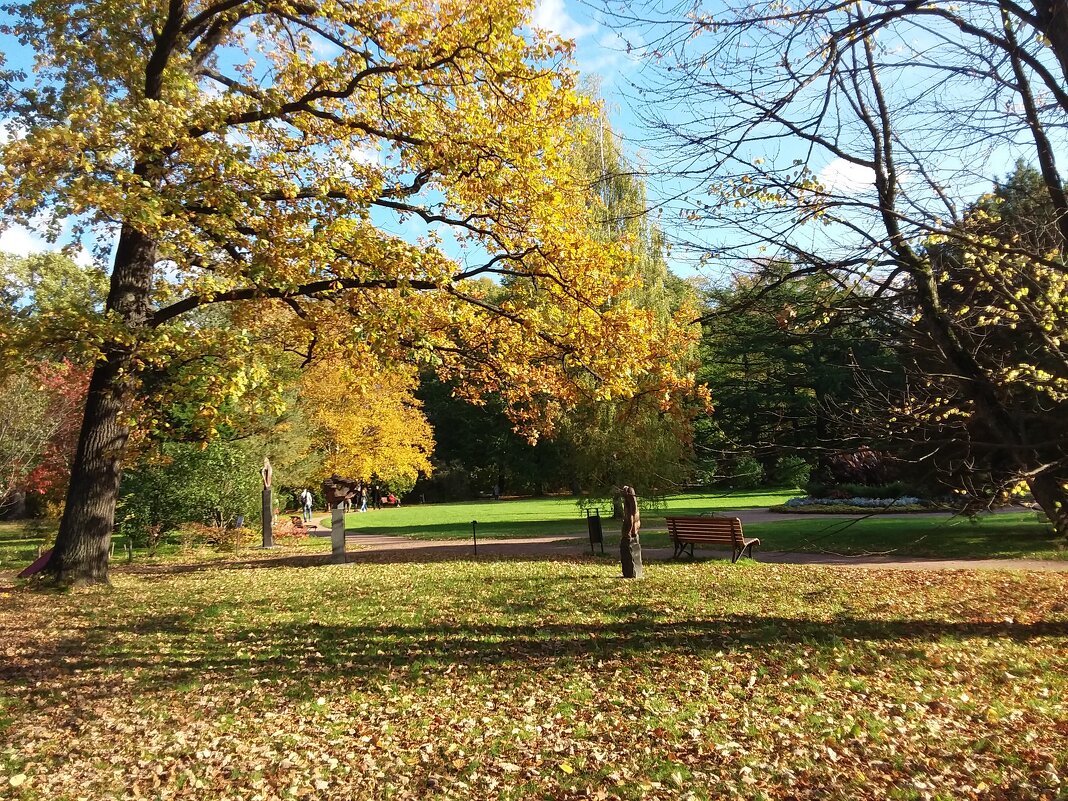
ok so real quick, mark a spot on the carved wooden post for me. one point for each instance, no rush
(267, 507)
(630, 550)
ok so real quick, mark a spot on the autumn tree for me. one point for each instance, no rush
(853, 138)
(46, 300)
(42, 389)
(256, 154)
(25, 430)
(366, 421)
(644, 440)
(604, 440)
(1009, 311)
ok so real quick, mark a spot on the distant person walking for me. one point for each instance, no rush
(376, 496)
(306, 501)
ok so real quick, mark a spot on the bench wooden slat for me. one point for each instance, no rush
(690, 531)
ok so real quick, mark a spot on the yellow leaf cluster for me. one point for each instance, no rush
(366, 419)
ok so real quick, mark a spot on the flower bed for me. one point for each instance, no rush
(867, 503)
(852, 505)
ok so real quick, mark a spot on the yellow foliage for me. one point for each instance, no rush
(253, 151)
(367, 420)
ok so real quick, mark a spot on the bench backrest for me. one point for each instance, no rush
(706, 529)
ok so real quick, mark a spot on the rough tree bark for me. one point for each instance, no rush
(84, 539)
(1048, 490)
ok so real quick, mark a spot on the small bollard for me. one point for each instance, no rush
(474, 534)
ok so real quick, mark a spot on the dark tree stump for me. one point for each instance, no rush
(630, 549)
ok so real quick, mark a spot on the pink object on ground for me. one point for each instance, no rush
(37, 566)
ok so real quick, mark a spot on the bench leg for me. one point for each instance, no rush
(739, 552)
(691, 551)
(734, 555)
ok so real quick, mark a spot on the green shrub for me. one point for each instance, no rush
(233, 538)
(185, 484)
(790, 471)
(819, 483)
(224, 538)
(746, 473)
(894, 489)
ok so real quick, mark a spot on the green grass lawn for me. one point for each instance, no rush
(19, 541)
(1003, 536)
(536, 679)
(1000, 536)
(537, 517)
(991, 536)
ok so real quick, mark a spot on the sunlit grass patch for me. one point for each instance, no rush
(539, 680)
(538, 517)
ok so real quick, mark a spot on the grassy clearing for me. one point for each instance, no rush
(20, 541)
(1019, 535)
(993, 536)
(514, 680)
(1000, 536)
(537, 517)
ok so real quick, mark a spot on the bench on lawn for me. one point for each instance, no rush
(690, 531)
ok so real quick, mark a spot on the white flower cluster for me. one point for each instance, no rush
(873, 503)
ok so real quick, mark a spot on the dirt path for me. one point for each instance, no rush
(378, 548)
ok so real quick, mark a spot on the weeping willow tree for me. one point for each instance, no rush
(645, 441)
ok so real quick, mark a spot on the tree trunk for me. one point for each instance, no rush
(1050, 494)
(81, 552)
(1053, 24)
(83, 543)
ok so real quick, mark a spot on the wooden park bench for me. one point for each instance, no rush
(689, 531)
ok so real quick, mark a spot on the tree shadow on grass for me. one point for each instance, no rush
(407, 552)
(174, 651)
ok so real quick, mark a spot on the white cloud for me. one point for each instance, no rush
(551, 15)
(9, 130)
(83, 258)
(366, 153)
(21, 241)
(846, 178)
(325, 50)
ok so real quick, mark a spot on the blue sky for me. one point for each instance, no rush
(601, 52)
